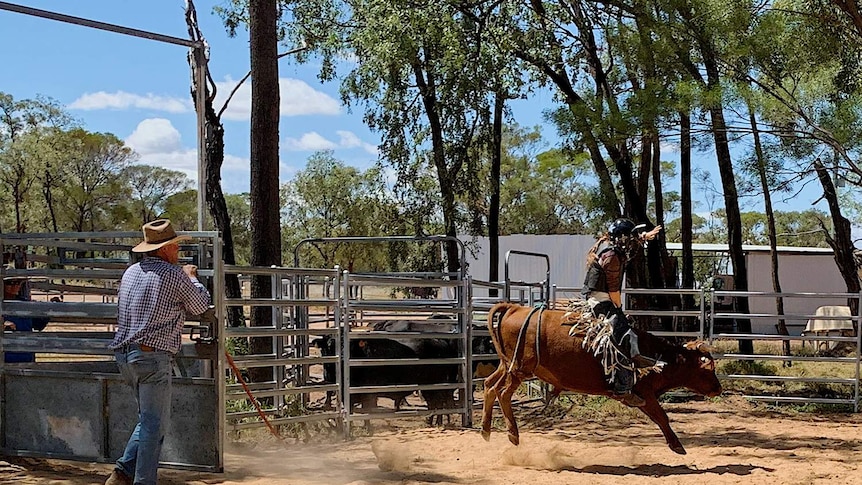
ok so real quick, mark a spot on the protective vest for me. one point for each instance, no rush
(596, 279)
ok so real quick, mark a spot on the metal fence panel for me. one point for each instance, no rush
(72, 402)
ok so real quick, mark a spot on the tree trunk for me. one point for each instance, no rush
(214, 160)
(644, 167)
(842, 243)
(731, 202)
(610, 201)
(685, 226)
(494, 207)
(771, 232)
(47, 185)
(265, 227)
(445, 174)
(218, 209)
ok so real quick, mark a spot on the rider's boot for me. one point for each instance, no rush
(639, 360)
(623, 383)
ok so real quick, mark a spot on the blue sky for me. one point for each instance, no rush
(139, 90)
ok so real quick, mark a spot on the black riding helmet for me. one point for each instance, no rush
(622, 233)
(621, 227)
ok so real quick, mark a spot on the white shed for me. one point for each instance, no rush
(801, 270)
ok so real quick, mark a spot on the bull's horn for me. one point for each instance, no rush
(705, 347)
(699, 345)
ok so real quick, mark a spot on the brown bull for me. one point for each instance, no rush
(560, 360)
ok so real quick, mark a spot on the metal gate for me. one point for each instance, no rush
(433, 375)
(303, 303)
(71, 402)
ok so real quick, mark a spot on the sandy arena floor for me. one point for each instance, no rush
(727, 442)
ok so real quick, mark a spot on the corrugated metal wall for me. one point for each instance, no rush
(567, 254)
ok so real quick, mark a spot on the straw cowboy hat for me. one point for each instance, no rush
(158, 233)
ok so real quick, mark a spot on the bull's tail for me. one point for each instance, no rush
(494, 328)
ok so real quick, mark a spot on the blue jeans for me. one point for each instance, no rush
(149, 375)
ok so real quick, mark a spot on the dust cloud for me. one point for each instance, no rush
(392, 456)
(557, 457)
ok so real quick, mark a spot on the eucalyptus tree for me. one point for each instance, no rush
(814, 103)
(418, 72)
(15, 174)
(762, 167)
(31, 144)
(329, 199)
(93, 179)
(543, 191)
(707, 34)
(614, 96)
(181, 207)
(151, 186)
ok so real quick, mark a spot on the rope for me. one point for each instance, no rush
(519, 343)
(538, 336)
(251, 397)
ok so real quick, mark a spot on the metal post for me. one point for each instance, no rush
(711, 295)
(343, 351)
(467, 304)
(200, 79)
(219, 329)
(858, 352)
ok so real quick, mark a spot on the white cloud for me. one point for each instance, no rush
(313, 141)
(154, 135)
(297, 99)
(348, 139)
(121, 100)
(160, 144)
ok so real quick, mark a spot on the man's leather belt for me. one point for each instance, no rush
(134, 345)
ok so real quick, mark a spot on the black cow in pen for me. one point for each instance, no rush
(364, 376)
(430, 348)
(404, 374)
(481, 345)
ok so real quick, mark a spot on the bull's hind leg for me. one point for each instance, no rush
(511, 385)
(490, 397)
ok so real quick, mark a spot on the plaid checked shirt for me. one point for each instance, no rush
(154, 298)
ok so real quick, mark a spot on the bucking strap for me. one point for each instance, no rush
(519, 344)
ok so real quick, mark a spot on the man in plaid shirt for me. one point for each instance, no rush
(155, 296)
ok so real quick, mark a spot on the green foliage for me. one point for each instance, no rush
(747, 367)
(57, 176)
(151, 188)
(181, 208)
(239, 208)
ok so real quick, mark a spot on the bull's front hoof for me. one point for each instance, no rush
(514, 439)
(677, 448)
(486, 435)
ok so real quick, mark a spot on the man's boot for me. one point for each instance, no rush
(623, 383)
(118, 478)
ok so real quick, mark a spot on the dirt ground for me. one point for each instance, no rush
(730, 441)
